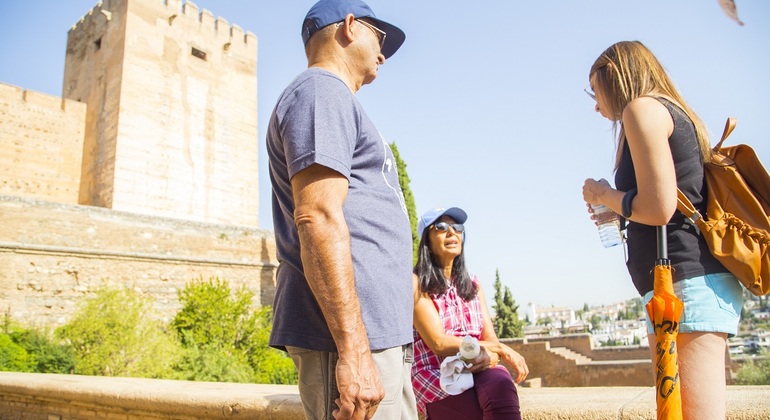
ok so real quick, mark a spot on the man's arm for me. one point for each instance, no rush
(319, 195)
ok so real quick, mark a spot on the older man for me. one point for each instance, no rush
(343, 304)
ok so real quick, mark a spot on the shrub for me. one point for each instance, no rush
(225, 339)
(755, 372)
(115, 334)
(212, 363)
(29, 350)
(13, 357)
(49, 356)
(271, 366)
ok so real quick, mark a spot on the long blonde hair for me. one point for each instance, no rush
(627, 70)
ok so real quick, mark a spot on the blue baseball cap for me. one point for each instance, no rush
(326, 12)
(430, 217)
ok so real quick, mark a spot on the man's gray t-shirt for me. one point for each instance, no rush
(319, 120)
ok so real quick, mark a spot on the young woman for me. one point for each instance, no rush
(661, 146)
(448, 305)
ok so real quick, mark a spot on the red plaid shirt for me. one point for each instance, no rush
(460, 318)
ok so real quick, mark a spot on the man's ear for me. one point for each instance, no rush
(347, 27)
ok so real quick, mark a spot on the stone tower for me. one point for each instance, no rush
(171, 122)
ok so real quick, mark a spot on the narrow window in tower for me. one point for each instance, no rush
(98, 44)
(198, 53)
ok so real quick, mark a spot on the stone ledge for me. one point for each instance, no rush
(135, 398)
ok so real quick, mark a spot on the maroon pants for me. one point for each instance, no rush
(493, 396)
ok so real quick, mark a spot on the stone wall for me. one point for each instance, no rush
(53, 255)
(588, 367)
(41, 138)
(584, 344)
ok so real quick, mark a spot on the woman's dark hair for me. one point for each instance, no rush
(431, 277)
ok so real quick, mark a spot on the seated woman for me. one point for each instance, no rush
(448, 305)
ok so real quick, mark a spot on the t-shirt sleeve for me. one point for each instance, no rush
(319, 124)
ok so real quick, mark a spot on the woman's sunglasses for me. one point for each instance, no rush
(444, 226)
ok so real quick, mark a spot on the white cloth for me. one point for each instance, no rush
(453, 380)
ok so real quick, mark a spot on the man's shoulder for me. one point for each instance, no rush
(316, 79)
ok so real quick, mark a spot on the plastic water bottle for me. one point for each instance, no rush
(608, 224)
(470, 348)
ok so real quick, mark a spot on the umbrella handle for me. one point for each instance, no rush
(662, 243)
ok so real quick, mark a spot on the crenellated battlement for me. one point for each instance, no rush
(97, 12)
(177, 9)
(208, 21)
(11, 93)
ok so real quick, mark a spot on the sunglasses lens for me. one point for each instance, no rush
(444, 226)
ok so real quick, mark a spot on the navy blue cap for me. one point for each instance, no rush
(430, 217)
(326, 12)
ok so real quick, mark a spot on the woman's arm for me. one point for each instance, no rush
(647, 125)
(501, 352)
(428, 324)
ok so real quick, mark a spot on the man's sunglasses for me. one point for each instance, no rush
(444, 226)
(379, 33)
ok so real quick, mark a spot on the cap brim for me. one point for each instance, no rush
(394, 37)
(456, 213)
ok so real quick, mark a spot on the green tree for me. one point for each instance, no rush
(403, 182)
(506, 320)
(225, 340)
(596, 322)
(115, 333)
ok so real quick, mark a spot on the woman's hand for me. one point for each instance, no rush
(482, 362)
(516, 362)
(593, 190)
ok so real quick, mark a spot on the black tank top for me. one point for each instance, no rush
(687, 250)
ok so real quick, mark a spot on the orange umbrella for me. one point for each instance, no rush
(665, 310)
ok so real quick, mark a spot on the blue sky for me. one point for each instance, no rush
(485, 102)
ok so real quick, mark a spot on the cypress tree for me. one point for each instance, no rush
(403, 182)
(506, 322)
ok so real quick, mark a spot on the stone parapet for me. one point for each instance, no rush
(69, 397)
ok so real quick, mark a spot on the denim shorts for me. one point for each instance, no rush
(712, 303)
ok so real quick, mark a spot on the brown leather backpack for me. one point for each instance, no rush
(737, 222)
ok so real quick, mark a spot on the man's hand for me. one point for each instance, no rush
(358, 381)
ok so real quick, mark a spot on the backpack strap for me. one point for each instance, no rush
(685, 206)
(729, 127)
